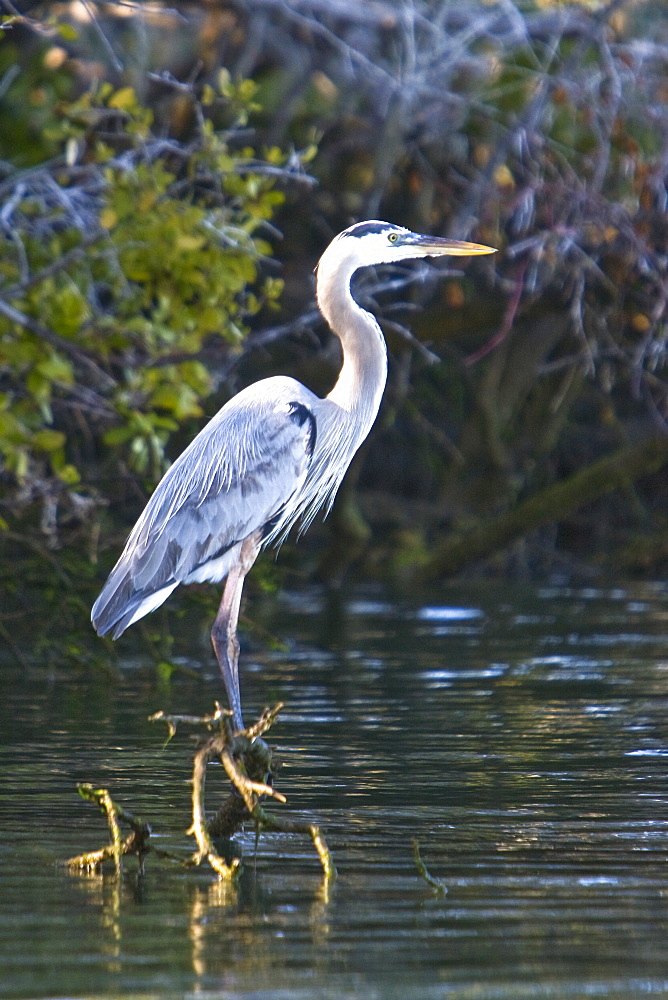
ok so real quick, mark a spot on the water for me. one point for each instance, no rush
(520, 735)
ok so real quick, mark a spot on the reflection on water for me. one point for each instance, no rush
(521, 736)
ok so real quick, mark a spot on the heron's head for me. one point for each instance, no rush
(368, 243)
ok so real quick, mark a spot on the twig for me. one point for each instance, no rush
(150, 8)
(108, 47)
(271, 170)
(279, 824)
(199, 828)
(18, 18)
(437, 434)
(508, 319)
(436, 883)
(265, 722)
(136, 841)
(61, 264)
(415, 343)
(172, 721)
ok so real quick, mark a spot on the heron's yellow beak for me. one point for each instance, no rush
(436, 245)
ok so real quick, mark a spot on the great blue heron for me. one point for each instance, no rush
(274, 454)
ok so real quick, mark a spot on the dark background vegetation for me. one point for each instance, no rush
(170, 174)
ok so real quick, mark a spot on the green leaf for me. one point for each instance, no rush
(67, 31)
(56, 368)
(124, 99)
(48, 440)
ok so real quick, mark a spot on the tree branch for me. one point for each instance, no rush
(552, 504)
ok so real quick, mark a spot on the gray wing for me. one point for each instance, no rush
(237, 477)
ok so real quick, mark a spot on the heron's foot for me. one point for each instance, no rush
(255, 756)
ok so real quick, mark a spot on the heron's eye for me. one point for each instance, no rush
(393, 237)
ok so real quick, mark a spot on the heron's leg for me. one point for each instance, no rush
(224, 631)
(225, 642)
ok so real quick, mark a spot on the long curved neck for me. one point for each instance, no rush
(361, 381)
(345, 416)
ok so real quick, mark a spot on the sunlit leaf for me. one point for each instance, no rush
(48, 440)
(123, 99)
(67, 31)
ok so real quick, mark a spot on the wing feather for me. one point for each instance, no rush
(238, 475)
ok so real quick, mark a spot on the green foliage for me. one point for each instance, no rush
(122, 263)
(29, 105)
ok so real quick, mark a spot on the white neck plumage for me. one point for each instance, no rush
(359, 388)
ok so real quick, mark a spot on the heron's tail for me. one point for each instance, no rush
(120, 605)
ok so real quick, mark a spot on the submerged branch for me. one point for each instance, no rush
(422, 870)
(199, 828)
(278, 824)
(247, 762)
(136, 842)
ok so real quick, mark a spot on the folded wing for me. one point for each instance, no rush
(239, 475)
